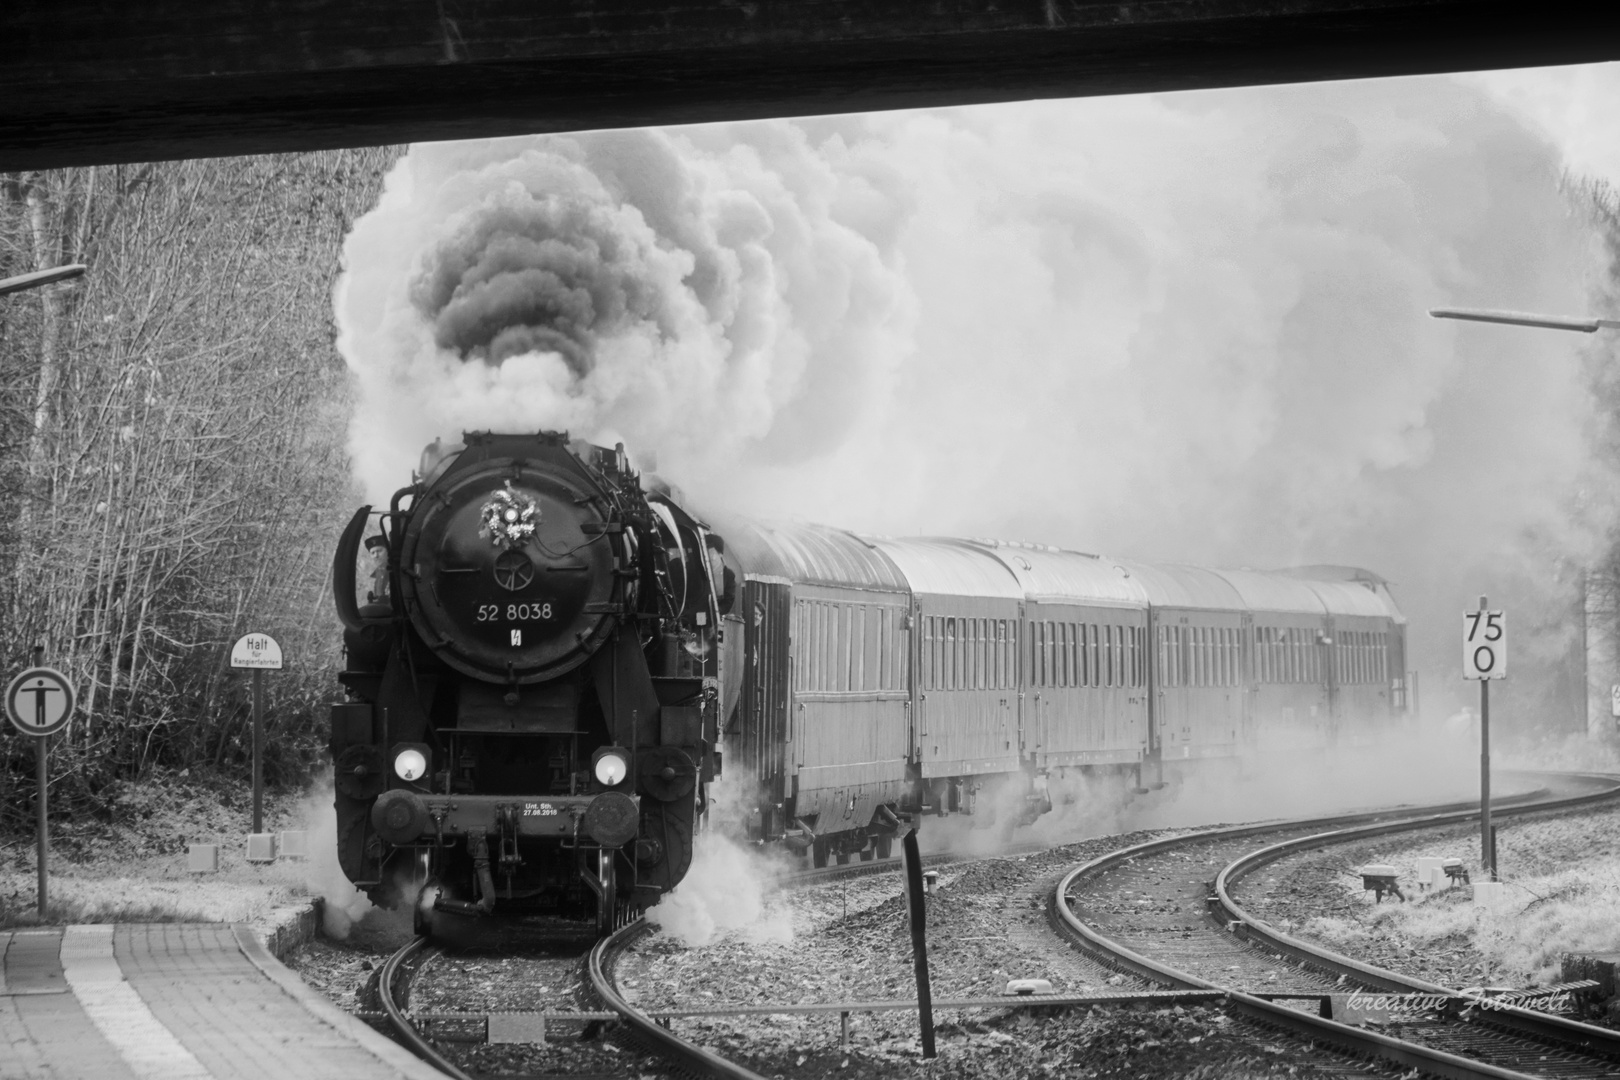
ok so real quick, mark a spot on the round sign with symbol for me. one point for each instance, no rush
(40, 701)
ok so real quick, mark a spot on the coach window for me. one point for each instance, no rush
(1003, 669)
(1007, 655)
(940, 661)
(1071, 655)
(992, 656)
(1054, 647)
(813, 646)
(1126, 655)
(1081, 678)
(1043, 636)
(970, 653)
(1130, 656)
(978, 654)
(925, 676)
(888, 644)
(1054, 658)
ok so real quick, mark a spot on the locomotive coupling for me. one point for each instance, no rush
(402, 817)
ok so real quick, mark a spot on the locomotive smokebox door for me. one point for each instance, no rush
(512, 580)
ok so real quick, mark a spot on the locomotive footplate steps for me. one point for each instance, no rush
(176, 1001)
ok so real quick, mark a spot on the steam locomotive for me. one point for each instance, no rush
(552, 652)
(532, 688)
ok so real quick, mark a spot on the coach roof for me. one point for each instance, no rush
(943, 567)
(1052, 575)
(808, 554)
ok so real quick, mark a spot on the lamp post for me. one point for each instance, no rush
(40, 277)
(1524, 318)
(1539, 322)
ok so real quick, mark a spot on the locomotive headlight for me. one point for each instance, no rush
(410, 764)
(610, 765)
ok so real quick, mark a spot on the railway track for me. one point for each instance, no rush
(1152, 913)
(1164, 911)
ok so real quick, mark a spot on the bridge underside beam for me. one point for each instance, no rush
(86, 81)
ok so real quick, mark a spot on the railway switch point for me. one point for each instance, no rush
(202, 858)
(261, 847)
(1380, 880)
(292, 844)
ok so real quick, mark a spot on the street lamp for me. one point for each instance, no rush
(1540, 322)
(40, 277)
(1522, 318)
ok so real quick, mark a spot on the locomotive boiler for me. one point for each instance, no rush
(531, 684)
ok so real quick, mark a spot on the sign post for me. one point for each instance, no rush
(39, 702)
(1485, 658)
(260, 653)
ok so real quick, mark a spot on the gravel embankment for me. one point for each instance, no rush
(1563, 873)
(987, 924)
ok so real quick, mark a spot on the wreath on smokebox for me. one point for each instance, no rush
(509, 518)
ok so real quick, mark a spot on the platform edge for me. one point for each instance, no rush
(359, 1031)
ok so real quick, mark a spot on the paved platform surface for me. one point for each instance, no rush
(177, 1001)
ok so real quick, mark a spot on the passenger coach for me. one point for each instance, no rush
(870, 679)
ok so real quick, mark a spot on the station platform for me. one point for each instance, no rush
(180, 1001)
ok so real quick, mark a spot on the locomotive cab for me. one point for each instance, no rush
(531, 699)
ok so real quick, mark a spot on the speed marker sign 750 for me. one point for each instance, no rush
(1484, 645)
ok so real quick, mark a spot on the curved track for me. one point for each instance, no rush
(401, 1023)
(1152, 910)
(688, 1057)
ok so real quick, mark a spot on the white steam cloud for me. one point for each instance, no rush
(1177, 327)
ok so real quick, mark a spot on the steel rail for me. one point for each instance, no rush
(1546, 1026)
(1354, 1039)
(401, 1023)
(687, 1055)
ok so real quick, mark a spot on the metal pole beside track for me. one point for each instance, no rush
(1487, 850)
